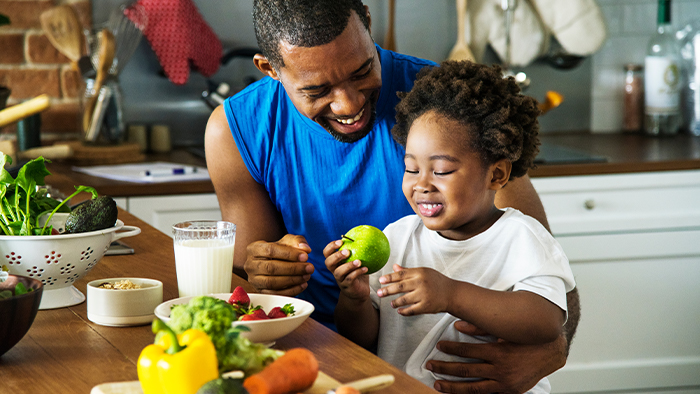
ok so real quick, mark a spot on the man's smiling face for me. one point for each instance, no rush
(337, 84)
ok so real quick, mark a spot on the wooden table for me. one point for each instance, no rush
(64, 352)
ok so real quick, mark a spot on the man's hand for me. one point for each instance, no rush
(506, 367)
(279, 267)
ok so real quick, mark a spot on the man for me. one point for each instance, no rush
(299, 158)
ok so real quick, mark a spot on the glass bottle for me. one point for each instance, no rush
(634, 99)
(662, 115)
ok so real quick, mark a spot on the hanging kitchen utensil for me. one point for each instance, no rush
(389, 40)
(508, 7)
(461, 50)
(63, 30)
(105, 56)
(127, 24)
(559, 58)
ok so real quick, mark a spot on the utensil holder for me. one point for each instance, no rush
(107, 113)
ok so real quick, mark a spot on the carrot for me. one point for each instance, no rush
(346, 390)
(294, 371)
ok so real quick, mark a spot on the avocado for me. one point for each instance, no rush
(223, 386)
(96, 214)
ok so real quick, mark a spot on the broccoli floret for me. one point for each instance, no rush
(180, 318)
(206, 302)
(244, 355)
(214, 317)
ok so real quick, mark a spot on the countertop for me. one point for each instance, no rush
(64, 352)
(623, 153)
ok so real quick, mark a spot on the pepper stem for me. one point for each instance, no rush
(160, 328)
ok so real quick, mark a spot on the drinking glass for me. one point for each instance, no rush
(203, 256)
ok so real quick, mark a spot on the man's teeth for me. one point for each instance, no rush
(353, 120)
(430, 206)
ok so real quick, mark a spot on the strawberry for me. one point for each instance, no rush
(239, 298)
(277, 312)
(257, 314)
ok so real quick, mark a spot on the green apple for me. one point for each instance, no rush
(367, 244)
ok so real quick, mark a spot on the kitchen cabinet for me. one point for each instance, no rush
(162, 212)
(633, 241)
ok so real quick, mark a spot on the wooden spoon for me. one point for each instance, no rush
(104, 62)
(63, 30)
(461, 50)
(389, 40)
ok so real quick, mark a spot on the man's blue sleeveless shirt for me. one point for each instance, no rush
(323, 187)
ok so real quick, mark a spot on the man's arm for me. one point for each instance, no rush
(521, 195)
(242, 200)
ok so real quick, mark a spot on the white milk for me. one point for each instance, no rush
(203, 266)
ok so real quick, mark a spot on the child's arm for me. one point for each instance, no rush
(355, 316)
(516, 316)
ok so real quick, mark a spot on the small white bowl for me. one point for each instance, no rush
(122, 308)
(261, 331)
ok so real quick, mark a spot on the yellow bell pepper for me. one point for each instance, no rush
(177, 364)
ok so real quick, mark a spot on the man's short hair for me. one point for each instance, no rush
(304, 23)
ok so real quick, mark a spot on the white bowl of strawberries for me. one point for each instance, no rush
(268, 317)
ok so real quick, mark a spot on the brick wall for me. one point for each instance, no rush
(30, 66)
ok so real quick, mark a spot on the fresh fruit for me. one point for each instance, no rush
(367, 244)
(277, 312)
(257, 314)
(92, 215)
(239, 298)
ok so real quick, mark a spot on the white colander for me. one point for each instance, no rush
(59, 260)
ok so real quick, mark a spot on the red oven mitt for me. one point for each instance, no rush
(178, 34)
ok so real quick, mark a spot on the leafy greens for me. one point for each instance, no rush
(21, 205)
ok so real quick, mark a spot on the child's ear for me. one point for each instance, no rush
(500, 172)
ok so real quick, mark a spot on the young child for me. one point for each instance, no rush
(467, 131)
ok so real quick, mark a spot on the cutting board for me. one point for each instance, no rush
(322, 384)
(108, 154)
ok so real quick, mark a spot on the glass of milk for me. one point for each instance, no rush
(203, 256)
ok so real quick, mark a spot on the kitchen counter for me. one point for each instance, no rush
(623, 153)
(64, 352)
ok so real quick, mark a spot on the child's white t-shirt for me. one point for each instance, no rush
(515, 253)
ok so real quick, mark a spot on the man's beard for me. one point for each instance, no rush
(356, 136)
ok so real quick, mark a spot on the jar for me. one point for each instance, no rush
(634, 98)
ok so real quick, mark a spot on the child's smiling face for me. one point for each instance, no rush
(447, 183)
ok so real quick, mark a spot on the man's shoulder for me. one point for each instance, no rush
(412, 62)
(264, 88)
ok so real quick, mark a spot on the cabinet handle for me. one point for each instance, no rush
(589, 204)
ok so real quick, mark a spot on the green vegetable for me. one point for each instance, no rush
(92, 215)
(214, 316)
(223, 386)
(21, 204)
(20, 289)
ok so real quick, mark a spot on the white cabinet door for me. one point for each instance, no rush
(164, 211)
(633, 241)
(640, 316)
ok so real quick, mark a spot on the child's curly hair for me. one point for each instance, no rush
(502, 122)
